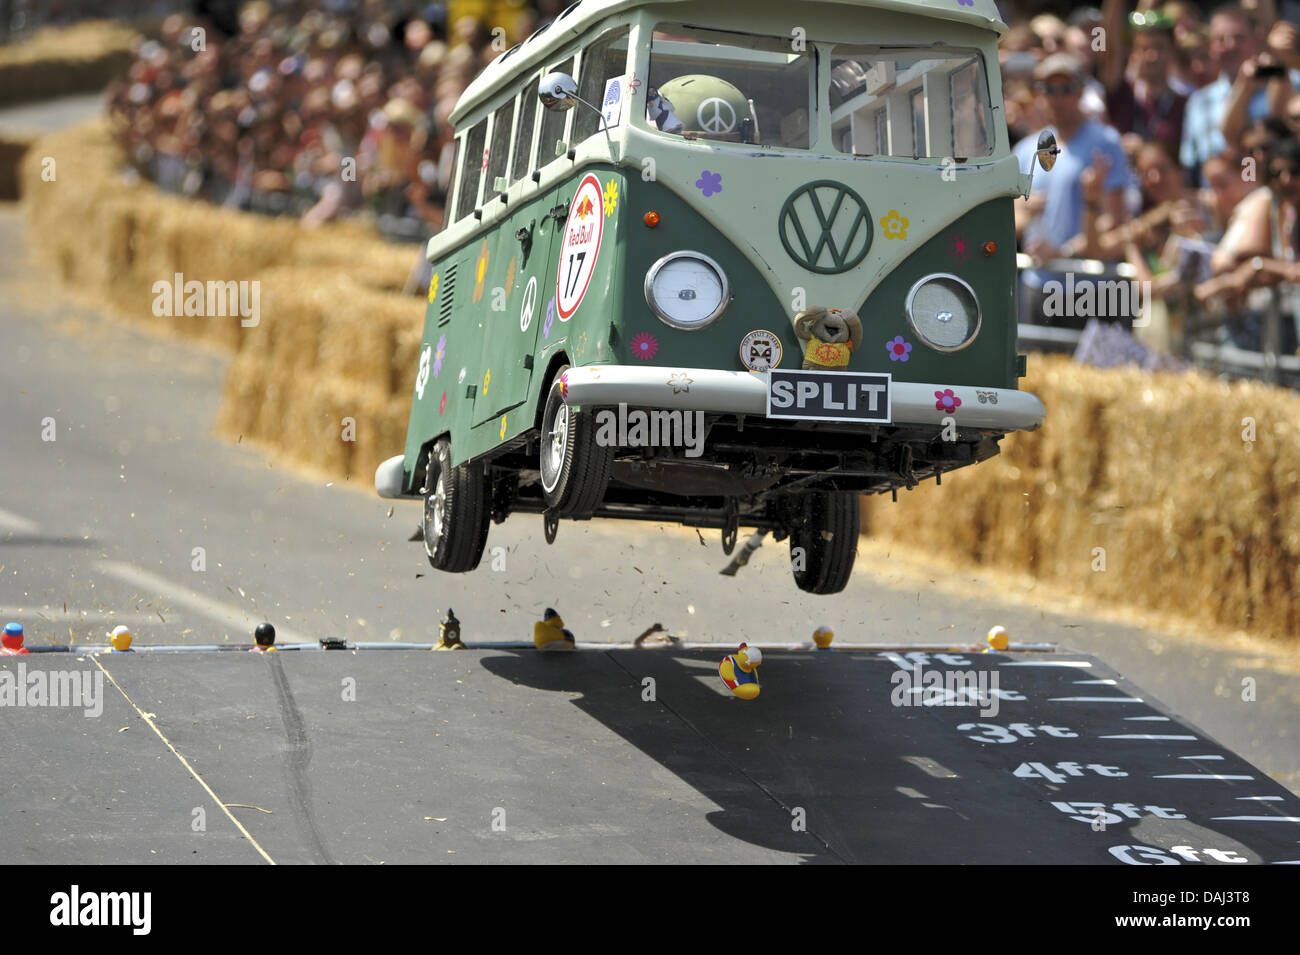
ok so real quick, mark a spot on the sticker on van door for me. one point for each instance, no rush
(580, 247)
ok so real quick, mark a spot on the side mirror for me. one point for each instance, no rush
(1047, 150)
(558, 91)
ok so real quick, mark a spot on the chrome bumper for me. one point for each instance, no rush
(743, 392)
(388, 477)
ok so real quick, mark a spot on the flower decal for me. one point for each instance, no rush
(487, 380)
(442, 405)
(709, 183)
(550, 318)
(580, 345)
(480, 271)
(503, 427)
(947, 401)
(644, 346)
(634, 85)
(611, 197)
(564, 385)
(439, 354)
(433, 288)
(898, 349)
(894, 225)
(679, 381)
(966, 3)
(959, 248)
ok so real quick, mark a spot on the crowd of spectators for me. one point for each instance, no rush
(1178, 129)
(1177, 125)
(311, 109)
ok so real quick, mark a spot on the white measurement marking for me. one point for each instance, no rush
(1153, 719)
(1095, 682)
(19, 525)
(1200, 757)
(1050, 663)
(240, 621)
(1096, 699)
(1256, 819)
(1262, 798)
(1143, 736)
(1200, 776)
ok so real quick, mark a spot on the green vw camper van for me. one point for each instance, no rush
(726, 265)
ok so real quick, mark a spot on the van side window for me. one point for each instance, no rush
(524, 141)
(601, 61)
(503, 124)
(471, 175)
(553, 125)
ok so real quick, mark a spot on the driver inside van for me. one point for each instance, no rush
(697, 106)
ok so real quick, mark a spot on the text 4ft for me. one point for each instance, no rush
(1066, 770)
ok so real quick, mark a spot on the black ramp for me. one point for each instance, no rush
(504, 755)
(93, 789)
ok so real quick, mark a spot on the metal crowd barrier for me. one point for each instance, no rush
(1270, 364)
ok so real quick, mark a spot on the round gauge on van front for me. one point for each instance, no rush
(687, 290)
(943, 310)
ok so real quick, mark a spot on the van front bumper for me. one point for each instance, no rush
(744, 392)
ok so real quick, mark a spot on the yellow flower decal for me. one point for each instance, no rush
(487, 379)
(433, 288)
(611, 197)
(480, 272)
(581, 345)
(894, 225)
(503, 427)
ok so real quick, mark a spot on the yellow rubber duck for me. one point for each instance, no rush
(549, 633)
(997, 639)
(738, 671)
(823, 636)
(120, 638)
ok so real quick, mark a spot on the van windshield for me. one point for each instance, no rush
(730, 87)
(913, 103)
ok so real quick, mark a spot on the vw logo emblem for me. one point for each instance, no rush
(826, 227)
(716, 115)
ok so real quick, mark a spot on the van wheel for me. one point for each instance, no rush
(575, 469)
(455, 512)
(825, 536)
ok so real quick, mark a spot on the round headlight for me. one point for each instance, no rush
(687, 290)
(944, 312)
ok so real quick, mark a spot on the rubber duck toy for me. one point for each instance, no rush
(449, 633)
(738, 671)
(997, 639)
(120, 638)
(264, 636)
(11, 642)
(823, 636)
(549, 633)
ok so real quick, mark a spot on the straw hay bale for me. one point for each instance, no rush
(57, 61)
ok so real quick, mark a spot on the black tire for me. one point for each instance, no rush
(575, 469)
(455, 512)
(827, 528)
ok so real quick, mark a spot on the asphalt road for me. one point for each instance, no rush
(100, 526)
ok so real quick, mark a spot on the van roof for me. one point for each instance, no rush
(577, 19)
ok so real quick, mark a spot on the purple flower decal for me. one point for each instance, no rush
(709, 183)
(550, 318)
(947, 401)
(966, 3)
(439, 353)
(898, 349)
